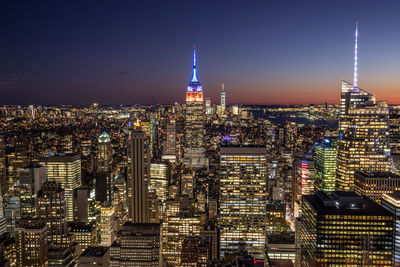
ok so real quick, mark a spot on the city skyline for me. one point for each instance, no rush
(250, 48)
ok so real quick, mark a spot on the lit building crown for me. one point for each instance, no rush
(194, 90)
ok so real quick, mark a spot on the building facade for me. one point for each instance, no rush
(243, 199)
(344, 229)
(194, 152)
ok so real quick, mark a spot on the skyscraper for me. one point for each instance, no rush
(3, 173)
(391, 202)
(243, 199)
(103, 173)
(223, 97)
(66, 170)
(108, 226)
(325, 165)
(169, 149)
(31, 179)
(138, 171)
(31, 243)
(364, 132)
(81, 207)
(344, 229)
(104, 153)
(51, 205)
(194, 153)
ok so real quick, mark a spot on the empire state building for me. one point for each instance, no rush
(194, 152)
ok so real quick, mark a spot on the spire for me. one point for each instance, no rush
(356, 57)
(137, 124)
(194, 74)
(223, 87)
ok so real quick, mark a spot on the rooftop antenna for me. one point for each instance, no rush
(356, 57)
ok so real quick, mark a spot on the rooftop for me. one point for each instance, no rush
(94, 252)
(369, 174)
(344, 203)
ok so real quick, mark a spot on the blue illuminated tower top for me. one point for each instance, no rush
(194, 74)
(194, 84)
(194, 90)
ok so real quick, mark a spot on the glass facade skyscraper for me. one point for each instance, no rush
(344, 229)
(364, 135)
(325, 165)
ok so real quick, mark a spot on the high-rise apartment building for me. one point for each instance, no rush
(325, 165)
(194, 153)
(344, 229)
(66, 170)
(243, 199)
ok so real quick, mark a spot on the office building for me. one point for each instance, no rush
(375, 184)
(119, 200)
(3, 169)
(60, 257)
(95, 257)
(194, 153)
(364, 141)
(84, 234)
(7, 249)
(31, 179)
(169, 149)
(81, 206)
(159, 177)
(305, 173)
(391, 202)
(180, 221)
(325, 165)
(107, 226)
(196, 251)
(138, 175)
(344, 229)
(51, 208)
(66, 170)
(104, 168)
(12, 213)
(223, 97)
(243, 199)
(138, 244)
(31, 243)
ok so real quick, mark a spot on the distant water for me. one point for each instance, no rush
(283, 117)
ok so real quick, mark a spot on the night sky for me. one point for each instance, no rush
(128, 52)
